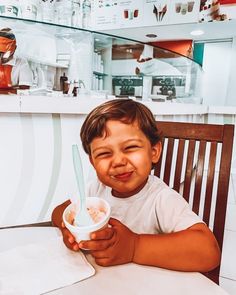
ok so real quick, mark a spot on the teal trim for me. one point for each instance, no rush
(198, 53)
(228, 119)
(56, 165)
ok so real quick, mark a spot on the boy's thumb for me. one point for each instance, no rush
(113, 221)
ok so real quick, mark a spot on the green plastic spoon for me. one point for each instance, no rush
(82, 217)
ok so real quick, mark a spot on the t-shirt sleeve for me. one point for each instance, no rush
(174, 213)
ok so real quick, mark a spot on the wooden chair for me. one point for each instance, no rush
(196, 161)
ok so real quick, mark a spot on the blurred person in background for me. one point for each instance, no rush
(15, 72)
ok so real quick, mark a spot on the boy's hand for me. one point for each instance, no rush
(68, 238)
(112, 245)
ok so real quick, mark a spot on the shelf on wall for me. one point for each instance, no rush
(83, 105)
(49, 27)
(127, 76)
(99, 74)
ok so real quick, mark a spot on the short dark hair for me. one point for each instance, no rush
(124, 110)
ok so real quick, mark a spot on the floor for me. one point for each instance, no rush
(228, 266)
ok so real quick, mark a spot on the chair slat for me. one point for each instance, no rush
(169, 157)
(223, 184)
(210, 182)
(189, 170)
(179, 165)
(199, 176)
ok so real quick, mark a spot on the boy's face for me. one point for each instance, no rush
(123, 158)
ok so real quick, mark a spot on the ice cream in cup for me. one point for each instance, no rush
(99, 210)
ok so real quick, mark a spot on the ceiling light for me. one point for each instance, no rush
(197, 32)
(151, 35)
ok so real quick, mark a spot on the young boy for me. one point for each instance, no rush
(151, 224)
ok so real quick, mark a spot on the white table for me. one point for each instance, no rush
(129, 279)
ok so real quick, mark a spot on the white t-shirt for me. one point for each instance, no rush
(155, 209)
(21, 73)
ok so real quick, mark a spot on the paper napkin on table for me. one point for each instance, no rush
(37, 268)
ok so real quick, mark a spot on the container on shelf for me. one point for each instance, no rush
(76, 20)
(86, 14)
(63, 12)
(29, 9)
(48, 10)
(209, 10)
(9, 8)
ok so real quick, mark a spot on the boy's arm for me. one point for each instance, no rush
(57, 214)
(193, 249)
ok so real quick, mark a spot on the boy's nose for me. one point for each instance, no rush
(119, 159)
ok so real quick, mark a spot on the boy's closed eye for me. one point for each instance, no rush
(132, 147)
(102, 154)
(105, 154)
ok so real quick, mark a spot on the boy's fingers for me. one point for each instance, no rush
(104, 234)
(67, 235)
(75, 247)
(96, 245)
(103, 261)
(69, 240)
(113, 222)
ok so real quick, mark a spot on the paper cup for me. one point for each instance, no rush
(83, 232)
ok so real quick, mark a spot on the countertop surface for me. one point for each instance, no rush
(83, 105)
(123, 279)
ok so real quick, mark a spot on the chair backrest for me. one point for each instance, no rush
(196, 162)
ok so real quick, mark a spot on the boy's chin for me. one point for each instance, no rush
(123, 194)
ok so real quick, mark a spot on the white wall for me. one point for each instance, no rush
(216, 67)
(231, 91)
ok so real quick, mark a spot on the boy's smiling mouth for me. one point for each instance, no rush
(122, 176)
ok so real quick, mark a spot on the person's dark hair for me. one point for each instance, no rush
(124, 110)
(7, 33)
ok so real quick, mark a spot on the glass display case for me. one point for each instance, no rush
(66, 61)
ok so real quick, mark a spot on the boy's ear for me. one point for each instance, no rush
(156, 152)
